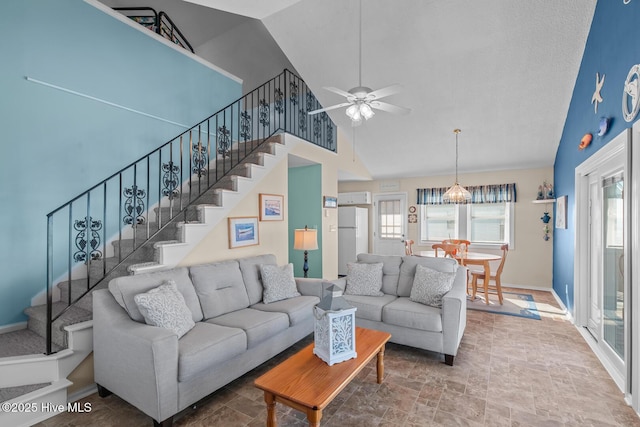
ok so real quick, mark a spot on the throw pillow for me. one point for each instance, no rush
(278, 283)
(165, 307)
(429, 286)
(364, 279)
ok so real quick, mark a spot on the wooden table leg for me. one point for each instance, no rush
(271, 409)
(314, 416)
(487, 277)
(380, 365)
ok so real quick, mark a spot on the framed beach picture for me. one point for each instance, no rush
(271, 207)
(243, 231)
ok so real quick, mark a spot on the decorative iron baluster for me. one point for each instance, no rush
(324, 116)
(330, 134)
(317, 126)
(134, 205)
(311, 101)
(224, 140)
(264, 113)
(88, 234)
(199, 159)
(170, 180)
(278, 100)
(245, 126)
(293, 93)
(302, 120)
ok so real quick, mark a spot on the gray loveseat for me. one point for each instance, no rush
(411, 323)
(234, 332)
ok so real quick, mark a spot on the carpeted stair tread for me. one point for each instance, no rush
(13, 392)
(22, 342)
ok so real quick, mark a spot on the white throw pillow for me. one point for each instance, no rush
(364, 279)
(429, 286)
(165, 307)
(278, 283)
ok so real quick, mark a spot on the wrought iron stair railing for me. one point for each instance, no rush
(158, 22)
(93, 234)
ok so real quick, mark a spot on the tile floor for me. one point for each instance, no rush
(509, 371)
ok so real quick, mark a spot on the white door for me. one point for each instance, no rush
(390, 223)
(594, 313)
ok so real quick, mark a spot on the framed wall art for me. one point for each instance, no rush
(243, 231)
(329, 202)
(561, 212)
(271, 207)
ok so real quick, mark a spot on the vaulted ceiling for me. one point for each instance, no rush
(503, 71)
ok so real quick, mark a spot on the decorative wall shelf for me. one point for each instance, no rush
(544, 201)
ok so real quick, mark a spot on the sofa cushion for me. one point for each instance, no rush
(408, 270)
(164, 307)
(220, 287)
(278, 283)
(406, 313)
(390, 270)
(258, 325)
(369, 308)
(250, 268)
(207, 345)
(298, 309)
(364, 279)
(429, 286)
(125, 288)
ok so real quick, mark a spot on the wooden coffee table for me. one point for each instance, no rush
(306, 383)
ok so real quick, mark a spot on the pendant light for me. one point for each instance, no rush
(457, 193)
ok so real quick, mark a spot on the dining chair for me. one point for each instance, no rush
(447, 249)
(408, 247)
(495, 277)
(456, 241)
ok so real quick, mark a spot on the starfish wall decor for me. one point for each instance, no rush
(597, 97)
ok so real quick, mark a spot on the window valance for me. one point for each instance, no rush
(496, 193)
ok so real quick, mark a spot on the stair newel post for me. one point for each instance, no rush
(69, 256)
(148, 195)
(120, 216)
(160, 184)
(49, 280)
(208, 153)
(190, 165)
(87, 262)
(181, 167)
(104, 229)
(134, 222)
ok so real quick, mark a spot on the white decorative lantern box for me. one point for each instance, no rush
(335, 327)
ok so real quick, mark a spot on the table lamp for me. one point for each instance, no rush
(305, 240)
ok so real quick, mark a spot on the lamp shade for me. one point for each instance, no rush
(456, 194)
(305, 239)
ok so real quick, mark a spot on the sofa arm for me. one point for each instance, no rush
(309, 286)
(138, 362)
(454, 313)
(340, 282)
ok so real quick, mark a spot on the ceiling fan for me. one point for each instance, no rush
(361, 100)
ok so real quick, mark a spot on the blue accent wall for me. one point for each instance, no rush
(305, 208)
(56, 144)
(612, 48)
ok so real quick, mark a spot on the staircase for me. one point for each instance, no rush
(201, 175)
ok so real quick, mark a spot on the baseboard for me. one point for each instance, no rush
(13, 327)
(87, 391)
(533, 288)
(563, 307)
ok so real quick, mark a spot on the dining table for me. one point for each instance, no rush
(472, 258)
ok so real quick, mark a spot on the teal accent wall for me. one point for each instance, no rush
(612, 48)
(305, 208)
(56, 144)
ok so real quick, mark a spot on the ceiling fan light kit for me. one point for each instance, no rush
(457, 193)
(362, 100)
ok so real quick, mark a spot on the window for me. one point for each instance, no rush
(390, 219)
(481, 223)
(439, 222)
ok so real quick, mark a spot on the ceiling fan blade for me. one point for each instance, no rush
(333, 107)
(384, 106)
(339, 91)
(385, 91)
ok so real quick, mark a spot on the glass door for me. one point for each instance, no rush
(613, 263)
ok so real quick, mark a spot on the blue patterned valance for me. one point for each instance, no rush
(496, 193)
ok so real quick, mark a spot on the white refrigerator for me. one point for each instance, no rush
(353, 235)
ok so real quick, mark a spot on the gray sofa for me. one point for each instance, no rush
(234, 332)
(411, 323)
